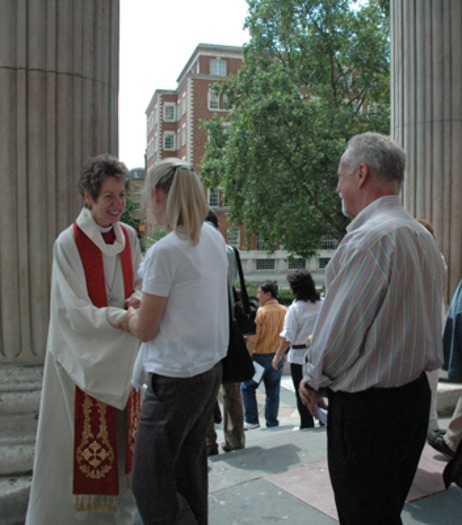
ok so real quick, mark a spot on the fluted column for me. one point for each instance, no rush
(426, 71)
(58, 107)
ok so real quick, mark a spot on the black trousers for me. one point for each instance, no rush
(375, 439)
(306, 419)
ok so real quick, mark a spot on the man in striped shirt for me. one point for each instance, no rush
(378, 331)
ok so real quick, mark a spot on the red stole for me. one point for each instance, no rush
(95, 440)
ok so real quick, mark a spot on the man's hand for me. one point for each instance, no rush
(308, 396)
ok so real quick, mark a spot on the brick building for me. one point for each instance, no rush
(174, 130)
(137, 176)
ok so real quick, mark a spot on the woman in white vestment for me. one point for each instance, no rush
(89, 410)
(183, 323)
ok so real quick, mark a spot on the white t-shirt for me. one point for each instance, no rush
(194, 330)
(298, 326)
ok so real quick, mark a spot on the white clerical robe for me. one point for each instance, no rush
(83, 349)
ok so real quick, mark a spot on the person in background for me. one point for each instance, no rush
(452, 338)
(269, 322)
(183, 323)
(378, 332)
(89, 410)
(433, 426)
(298, 327)
(447, 442)
(230, 393)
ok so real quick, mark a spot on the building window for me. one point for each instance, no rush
(183, 135)
(218, 67)
(169, 112)
(265, 264)
(183, 104)
(217, 102)
(150, 149)
(297, 263)
(260, 243)
(150, 122)
(137, 206)
(329, 243)
(214, 197)
(169, 140)
(323, 262)
(214, 101)
(234, 237)
(373, 108)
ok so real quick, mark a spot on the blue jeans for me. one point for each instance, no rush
(272, 381)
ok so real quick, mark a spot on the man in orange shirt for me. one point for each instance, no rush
(270, 322)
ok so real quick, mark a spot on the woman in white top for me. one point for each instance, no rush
(183, 323)
(298, 326)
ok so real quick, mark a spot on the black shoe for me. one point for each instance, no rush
(228, 448)
(217, 417)
(212, 451)
(453, 470)
(440, 445)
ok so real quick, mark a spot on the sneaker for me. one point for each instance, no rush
(251, 426)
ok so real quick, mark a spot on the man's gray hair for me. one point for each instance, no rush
(384, 157)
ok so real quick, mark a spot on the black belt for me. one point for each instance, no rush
(298, 347)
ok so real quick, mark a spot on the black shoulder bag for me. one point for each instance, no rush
(237, 365)
(245, 310)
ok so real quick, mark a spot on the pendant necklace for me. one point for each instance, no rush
(111, 298)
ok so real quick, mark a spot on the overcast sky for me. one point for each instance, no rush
(156, 40)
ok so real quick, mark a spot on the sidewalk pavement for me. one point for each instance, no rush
(281, 477)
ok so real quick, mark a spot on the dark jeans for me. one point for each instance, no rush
(306, 419)
(272, 381)
(375, 439)
(170, 478)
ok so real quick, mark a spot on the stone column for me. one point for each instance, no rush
(426, 74)
(58, 107)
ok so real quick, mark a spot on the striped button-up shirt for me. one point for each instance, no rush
(269, 321)
(380, 324)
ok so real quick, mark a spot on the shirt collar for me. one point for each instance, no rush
(88, 225)
(389, 201)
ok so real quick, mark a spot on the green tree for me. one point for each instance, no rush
(127, 215)
(310, 70)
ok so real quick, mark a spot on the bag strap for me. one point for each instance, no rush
(244, 294)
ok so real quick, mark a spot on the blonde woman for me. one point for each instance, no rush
(183, 323)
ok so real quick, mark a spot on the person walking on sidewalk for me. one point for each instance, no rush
(269, 321)
(377, 334)
(298, 327)
(230, 393)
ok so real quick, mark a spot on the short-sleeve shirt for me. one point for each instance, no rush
(194, 330)
(298, 326)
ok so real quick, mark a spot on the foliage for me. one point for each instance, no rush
(155, 235)
(127, 215)
(310, 69)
